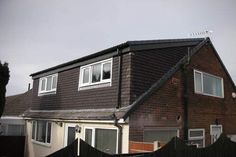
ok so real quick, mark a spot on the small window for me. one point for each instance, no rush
(96, 73)
(48, 85)
(95, 137)
(196, 137)
(215, 132)
(41, 131)
(208, 84)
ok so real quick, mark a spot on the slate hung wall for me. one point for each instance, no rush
(69, 97)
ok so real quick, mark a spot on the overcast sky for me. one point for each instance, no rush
(38, 34)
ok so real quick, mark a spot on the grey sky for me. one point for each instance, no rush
(38, 34)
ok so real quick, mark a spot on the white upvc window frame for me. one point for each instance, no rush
(94, 133)
(202, 87)
(89, 66)
(35, 135)
(45, 91)
(197, 138)
(215, 125)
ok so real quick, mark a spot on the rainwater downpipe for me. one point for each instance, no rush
(118, 105)
(185, 95)
(116, 124)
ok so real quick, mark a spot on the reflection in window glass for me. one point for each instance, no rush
(41, 131)
(96, 73)
(198, 82)
(106, 71)
(54, 82)
(86, 75)
(105, 140)
(43, 84)
(49, 83)
(88, 136)
(159, 135)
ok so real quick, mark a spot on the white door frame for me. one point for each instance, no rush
(66, 132)
(221, 130)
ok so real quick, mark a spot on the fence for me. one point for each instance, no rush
(223, 147)
(12, 146)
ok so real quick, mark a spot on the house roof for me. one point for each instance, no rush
(123, 48)
(158, 84)
(17, 104)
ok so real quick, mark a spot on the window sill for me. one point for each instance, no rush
(95, 86)
(41, 143)
(221, 97)
(47, 93)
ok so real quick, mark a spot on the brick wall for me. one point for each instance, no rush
(162, 107)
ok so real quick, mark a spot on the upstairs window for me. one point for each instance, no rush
(96, 73)
(48, 84)
(208, 84)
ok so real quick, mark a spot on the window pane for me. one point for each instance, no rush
(33, 130)
(198, 142)
(198, 82)
(197, 133)
(49, 133)
(43, 84)
(212, 85)
(96, 73)
(49, 83)
(41, 131)
(86, 75)
(54, 82)
(71, 135)
(106, 71)
(159, 135)
(88, 136)
(105, 140)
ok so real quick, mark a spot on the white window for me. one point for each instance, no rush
(104, 140)
(96, 73)
(48, 84)
(215, 132)
(208, 84)
(41, 132)
(163, 135)
(196, 137)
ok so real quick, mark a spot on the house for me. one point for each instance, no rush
(142, 91)
(11, 122)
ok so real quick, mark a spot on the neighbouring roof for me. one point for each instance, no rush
(84, 114)
(17, 104)
(124, 48)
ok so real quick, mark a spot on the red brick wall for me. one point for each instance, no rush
(204, 110)
(162, 108)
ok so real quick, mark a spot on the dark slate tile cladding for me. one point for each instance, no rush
(69, 97)
(150, 65)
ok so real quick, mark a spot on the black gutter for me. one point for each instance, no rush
(120, 58)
